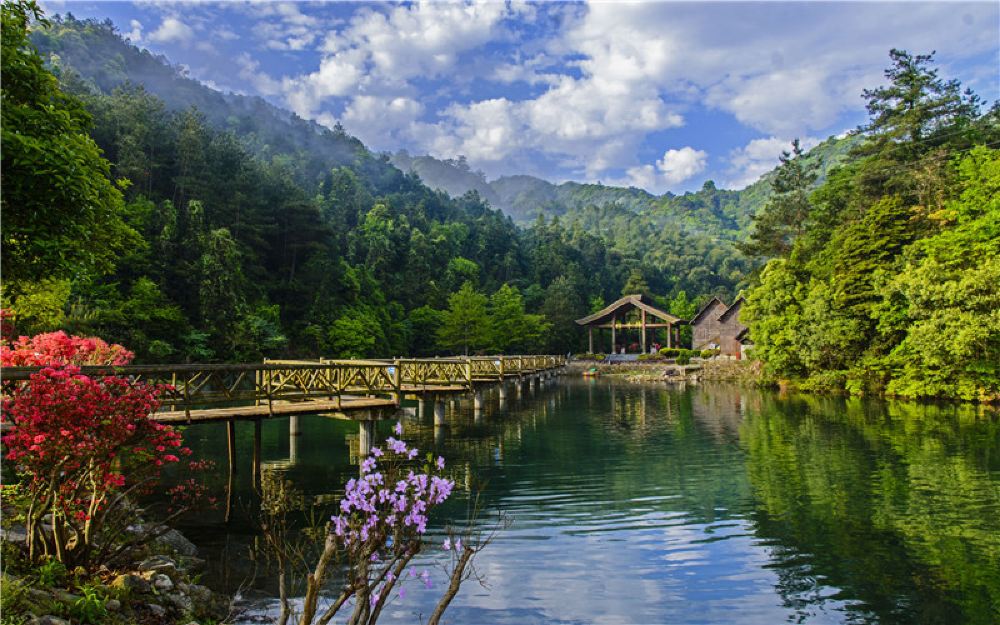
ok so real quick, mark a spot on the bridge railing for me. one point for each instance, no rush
(187, 387)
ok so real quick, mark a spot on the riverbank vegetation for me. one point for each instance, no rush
(885, 279)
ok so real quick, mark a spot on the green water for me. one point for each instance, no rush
(647, 504)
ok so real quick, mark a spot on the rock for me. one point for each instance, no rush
(157, 610)
(162, 583)
(48, 620)
(37, 595)
(182, 602)
(112, 605)
(201, 595)
(131, 582)
(191, 564)
(15, 534)
(179, 543)
(159, 564)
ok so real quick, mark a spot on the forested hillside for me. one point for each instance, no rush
(230, 230)
(887, 277)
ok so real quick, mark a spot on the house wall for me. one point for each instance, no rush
(706, 331)
(728, 331)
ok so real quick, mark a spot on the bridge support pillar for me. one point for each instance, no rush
(438, 412)
(366, 437)
(256, 452)
(294, 432)
(502, 390)
(532, 384)
(421, 407)
(477, 400)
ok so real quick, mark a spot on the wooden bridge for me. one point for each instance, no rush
(361, 390)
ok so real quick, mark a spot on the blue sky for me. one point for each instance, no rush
(658, 95)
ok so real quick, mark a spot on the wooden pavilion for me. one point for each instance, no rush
(632, 312)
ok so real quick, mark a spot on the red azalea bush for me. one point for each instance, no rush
(59, 348)
(82, 447)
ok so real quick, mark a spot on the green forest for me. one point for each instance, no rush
(886, 278)
(143, 207)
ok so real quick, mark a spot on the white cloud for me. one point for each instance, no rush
(680, 165)
(135, 35)
(583, 87)
(172, 30)
(378, 121)
(756, 158)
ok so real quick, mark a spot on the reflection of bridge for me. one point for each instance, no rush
(359, 390)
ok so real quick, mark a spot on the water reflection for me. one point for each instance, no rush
(650, 504)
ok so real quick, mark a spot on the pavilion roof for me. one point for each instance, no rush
(625, 304)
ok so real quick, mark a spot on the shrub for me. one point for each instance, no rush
(684, 359)
(670, 352)
(648, 357)
(58, 348)
(710, 353)
(81, 447)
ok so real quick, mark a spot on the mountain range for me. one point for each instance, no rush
(98, 56)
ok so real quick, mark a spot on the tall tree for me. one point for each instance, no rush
(466, 323)
(512, 330)
(62, 215)
(785, 216)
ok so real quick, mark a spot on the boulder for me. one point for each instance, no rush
(183, 603)
(131, 582)
(159, 564)
(112, 605)
(179, 543)
(162, 583)
(157, 611)
(48, 620)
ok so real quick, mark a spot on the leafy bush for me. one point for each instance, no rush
(80, 446)
(710, 353)
(684, 359)
(51, 573)
(648, 357)
(590, 357)
(669, 352)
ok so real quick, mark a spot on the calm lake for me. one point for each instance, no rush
(649, 504)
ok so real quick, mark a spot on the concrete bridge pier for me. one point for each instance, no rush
(478, 401)
(439, 412)
(532, 383)
(366, 437)
(421, 407)
(502, 391)
(294, 433)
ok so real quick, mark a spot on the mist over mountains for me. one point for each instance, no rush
(105, 61)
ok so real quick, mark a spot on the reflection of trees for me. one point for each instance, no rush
(895, 503)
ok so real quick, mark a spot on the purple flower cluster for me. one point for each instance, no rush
(384, 507)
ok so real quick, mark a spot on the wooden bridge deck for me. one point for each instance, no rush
(352, 408)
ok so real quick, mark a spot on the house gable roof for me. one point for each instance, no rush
(704, 309)
(627, 303)
(732, 309)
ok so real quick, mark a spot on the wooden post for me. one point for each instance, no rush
(670, 335)
(397, 395)
(613, 342)
(230, 482)
(642, 338)
(256, 451)
(590, 339)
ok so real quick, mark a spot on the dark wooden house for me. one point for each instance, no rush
(717, 326)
